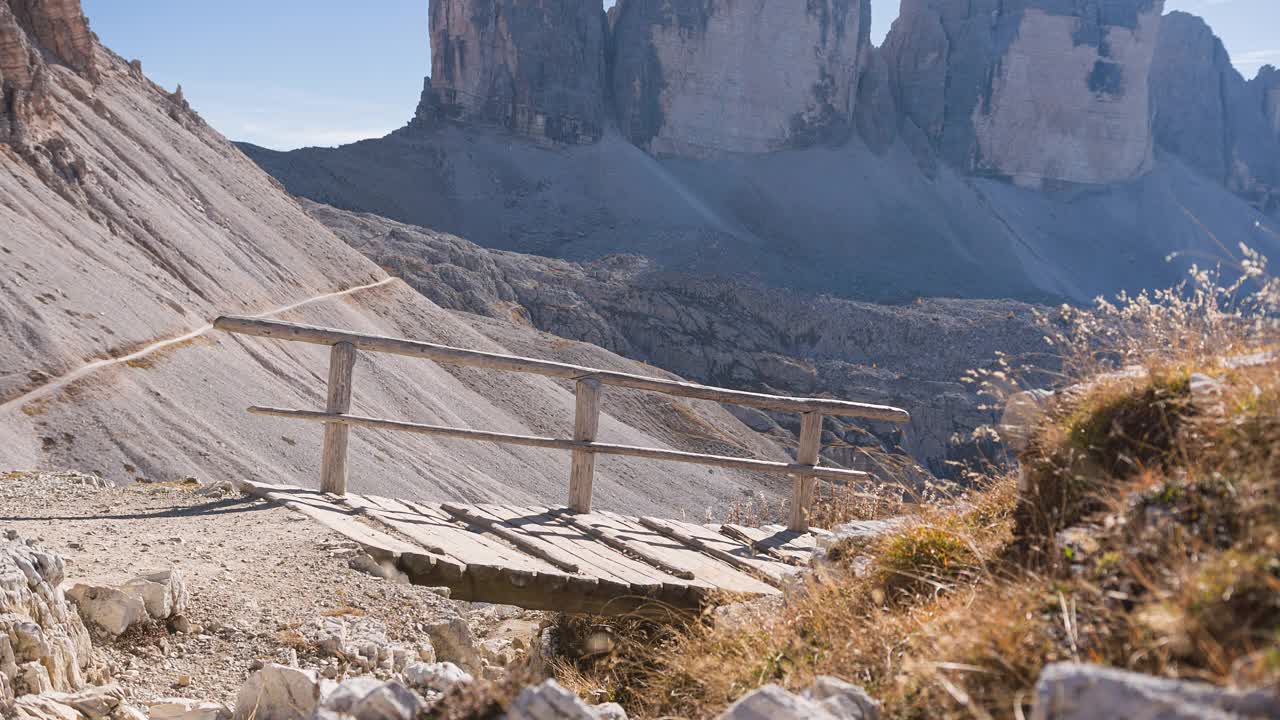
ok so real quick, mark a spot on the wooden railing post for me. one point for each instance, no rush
(803, 485)
(586, 423)
(333, 456)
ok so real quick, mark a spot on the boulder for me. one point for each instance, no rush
(108, 608)
(366, 698)
(550, 701)
(278, 692)
(453, 642)
(44, 645)
(163, 592)
(1071, 691)
(113, 607)
(829, 699)
(188, 709)
(842, 699)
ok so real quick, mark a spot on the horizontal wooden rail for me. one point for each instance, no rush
(559, 444)
(457, 356)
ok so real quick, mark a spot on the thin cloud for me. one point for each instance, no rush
(1250, 63)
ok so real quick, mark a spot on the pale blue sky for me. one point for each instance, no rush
(290, 73)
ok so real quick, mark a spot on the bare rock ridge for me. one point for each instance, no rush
(1207, 114)
(1036, 90)
(535, 68)
(746, 76)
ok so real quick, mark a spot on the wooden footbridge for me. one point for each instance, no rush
(569, 558)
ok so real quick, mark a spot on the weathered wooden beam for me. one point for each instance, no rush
(586, 423)
(804, 484)
(333, 455)
(525, 543)
(734, 463)
(457, 356)
(673, 531)
(613, 540)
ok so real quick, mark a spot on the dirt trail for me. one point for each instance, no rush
(57, 384)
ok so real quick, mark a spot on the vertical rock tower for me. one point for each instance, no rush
(30, 31)
(700, 77)
(1034, 90)
(1208, 115)
(534, 67)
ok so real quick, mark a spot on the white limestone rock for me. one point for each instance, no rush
(1070, 691)
(453, 642)
(162, 592)
(437, 676)
(44, 645)
(96, 703)
(115, 606)
(278, 692)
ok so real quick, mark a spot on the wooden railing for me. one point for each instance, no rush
(338, 421)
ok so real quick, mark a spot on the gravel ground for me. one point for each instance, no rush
(256, 573)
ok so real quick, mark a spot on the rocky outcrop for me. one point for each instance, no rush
(692, 77)
(535, 68)
(60, 27)
(28, 30)
(732, 334)
(44, 647)
(1210, 117)
(1036, 91)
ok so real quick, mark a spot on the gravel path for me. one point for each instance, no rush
(256, 574)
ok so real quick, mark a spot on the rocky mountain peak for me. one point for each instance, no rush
(700, 77)
(1268, 84)
(1036, 90)
(534, 67)
(1210, 117)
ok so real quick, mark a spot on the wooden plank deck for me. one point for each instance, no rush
(549, 558)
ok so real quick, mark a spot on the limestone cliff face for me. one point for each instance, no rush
(30, 32)
(535, 67)
(1035, 90)
(60, 27)
(700, 77)
(1208, 115)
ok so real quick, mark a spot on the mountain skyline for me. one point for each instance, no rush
(305, 94)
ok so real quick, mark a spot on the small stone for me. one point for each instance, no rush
(182, 681)
(186, 709)
(439, 676)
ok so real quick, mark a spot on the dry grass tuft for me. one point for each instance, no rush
(1145, 535)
